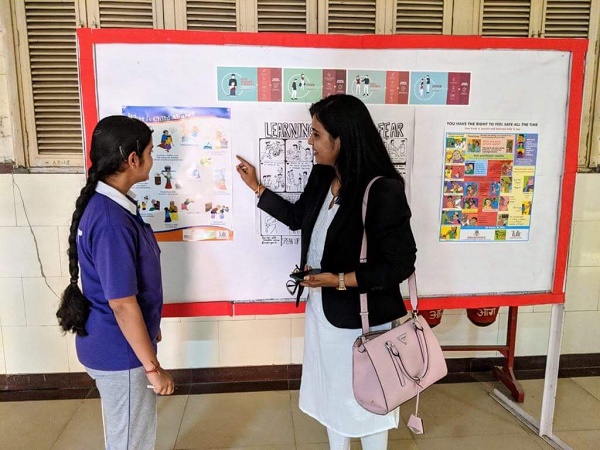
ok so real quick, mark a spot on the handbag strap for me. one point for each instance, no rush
(412, 280)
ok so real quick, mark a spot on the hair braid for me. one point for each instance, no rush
(74, 307)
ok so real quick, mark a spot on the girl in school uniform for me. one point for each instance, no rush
(116, 315)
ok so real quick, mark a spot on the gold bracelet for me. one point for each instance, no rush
(341, 282)
(257, 191)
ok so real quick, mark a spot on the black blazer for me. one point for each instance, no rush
(391, 248)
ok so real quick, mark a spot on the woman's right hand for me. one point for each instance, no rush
(162, 382)
(248, 173)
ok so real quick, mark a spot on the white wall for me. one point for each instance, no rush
(30, 341)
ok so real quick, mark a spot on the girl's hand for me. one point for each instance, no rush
(247, 173)
(162, 382)
(326, 279)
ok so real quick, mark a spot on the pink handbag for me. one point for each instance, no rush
(391, 367)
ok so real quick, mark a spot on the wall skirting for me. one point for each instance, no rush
(79, 385)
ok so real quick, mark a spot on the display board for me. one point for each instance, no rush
(504, 106)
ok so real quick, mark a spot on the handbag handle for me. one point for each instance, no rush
(412, 279)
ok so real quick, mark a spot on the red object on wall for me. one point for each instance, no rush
(433, 317)
(483, 317)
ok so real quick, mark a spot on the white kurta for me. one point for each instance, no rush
(326, 387)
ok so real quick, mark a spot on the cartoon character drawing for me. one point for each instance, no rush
(168, 174)
(471, 190)
(173, 211)
(166, 141)
(232, 85)
(456, 157)
(506, 169)
(450, 234)
(528, 185)
(520, 151)
(366, 81)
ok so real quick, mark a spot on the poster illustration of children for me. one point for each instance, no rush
(449, 233)
(471, 189)
(451, 218)
(454, 156)
(474, 146)
(528, 181)
(166, 141)
(471, 204)
(168, 174)
(173, 211)
(506, 185)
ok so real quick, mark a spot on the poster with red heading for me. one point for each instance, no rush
(488, 181)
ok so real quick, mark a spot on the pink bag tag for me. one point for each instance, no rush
(415, 423)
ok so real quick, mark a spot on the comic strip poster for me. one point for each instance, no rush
(286, 160)
(189, 189)
(489, 181)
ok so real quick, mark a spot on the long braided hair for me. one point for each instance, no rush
(113, 140)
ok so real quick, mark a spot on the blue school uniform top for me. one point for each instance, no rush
(119, 257)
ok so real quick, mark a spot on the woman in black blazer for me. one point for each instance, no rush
(349, 153)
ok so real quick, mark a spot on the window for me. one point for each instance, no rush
(44, 32)
(556, 19)
(422, 17)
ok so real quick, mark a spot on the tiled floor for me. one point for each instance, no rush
(457, 416)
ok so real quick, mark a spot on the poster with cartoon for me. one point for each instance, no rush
(310, 84)
(188, 196)
(286, 160)
(489, 181)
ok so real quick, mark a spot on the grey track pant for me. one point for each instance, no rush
(128, 409)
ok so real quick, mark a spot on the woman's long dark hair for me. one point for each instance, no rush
(113, 140)
(362, 152)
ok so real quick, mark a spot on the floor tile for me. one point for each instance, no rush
(487, 442)
(456, 416)
(580, 440)
(402, 433)
(170, 414)
(590, 384)
(34, 425)
(237, 420)
(84, 430)
(261, 447)
(575, 408)
(306, 429)
(461, 410)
